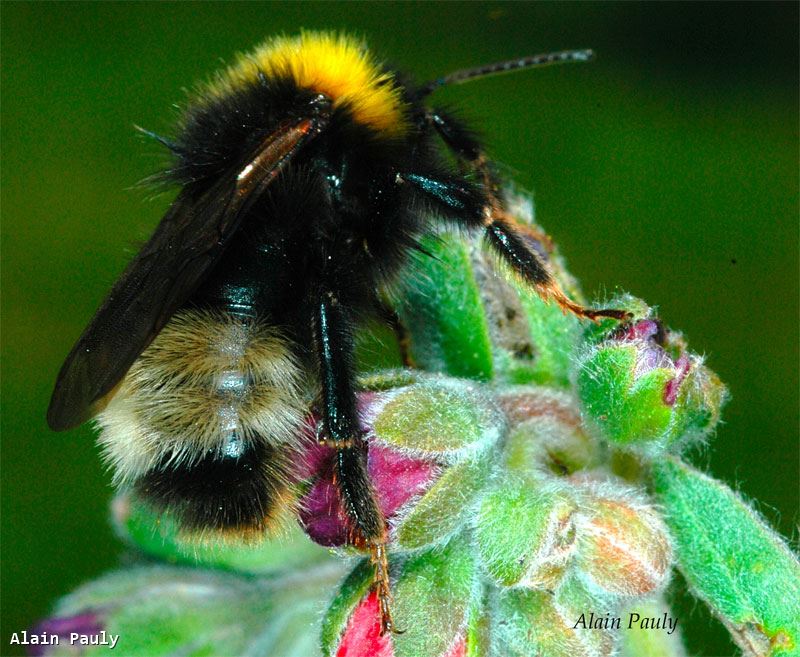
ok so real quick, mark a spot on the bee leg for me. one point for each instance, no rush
(333, 336)
(455, 134)
(509, 242)
(369, 531)
(512, 241)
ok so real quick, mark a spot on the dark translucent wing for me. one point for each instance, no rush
(185, 246)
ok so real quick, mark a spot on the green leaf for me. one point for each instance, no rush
(439, 416)
(732, 559)
(440, 299)
(376, 348)
(554, 336)
(433, 595)
(532, 341)
(479, 627)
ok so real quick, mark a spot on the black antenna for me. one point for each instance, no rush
(534, 61)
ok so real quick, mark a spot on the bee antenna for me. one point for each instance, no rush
(534, 61)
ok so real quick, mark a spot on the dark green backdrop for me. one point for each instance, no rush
(667, 168)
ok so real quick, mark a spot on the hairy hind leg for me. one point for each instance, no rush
(333, 337)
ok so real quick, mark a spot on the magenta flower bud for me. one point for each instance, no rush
(395, 477)
(433, 606)
(362, 636)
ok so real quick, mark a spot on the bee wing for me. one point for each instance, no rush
(184, 248)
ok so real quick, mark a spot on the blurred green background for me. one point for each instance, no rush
(668, 168)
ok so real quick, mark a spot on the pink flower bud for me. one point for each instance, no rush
(88, 624)
(643, 389)
(396, 478)
(654, 344)
(624, 546)
(362, 636)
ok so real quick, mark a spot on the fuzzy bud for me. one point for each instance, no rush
(163, 610)
(85, 627)
(537, 623)
(623, 545)
(546, 433)
(525, 537)
(362, 637)
(641, 387)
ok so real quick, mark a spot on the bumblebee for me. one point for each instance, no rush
(307, 173)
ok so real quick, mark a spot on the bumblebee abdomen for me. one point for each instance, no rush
(240, 495)
(202, 421)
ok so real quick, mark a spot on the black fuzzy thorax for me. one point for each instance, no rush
(337, 219)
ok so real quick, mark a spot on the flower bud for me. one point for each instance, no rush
(525, 537)
(623, 545)
(546, 433)
(534, 623)
(362, 637)
(87, 626)
(428, 458)
(641, 387)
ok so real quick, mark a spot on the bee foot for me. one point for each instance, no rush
(382, 586)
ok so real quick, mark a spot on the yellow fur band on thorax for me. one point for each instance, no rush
(338, 66)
